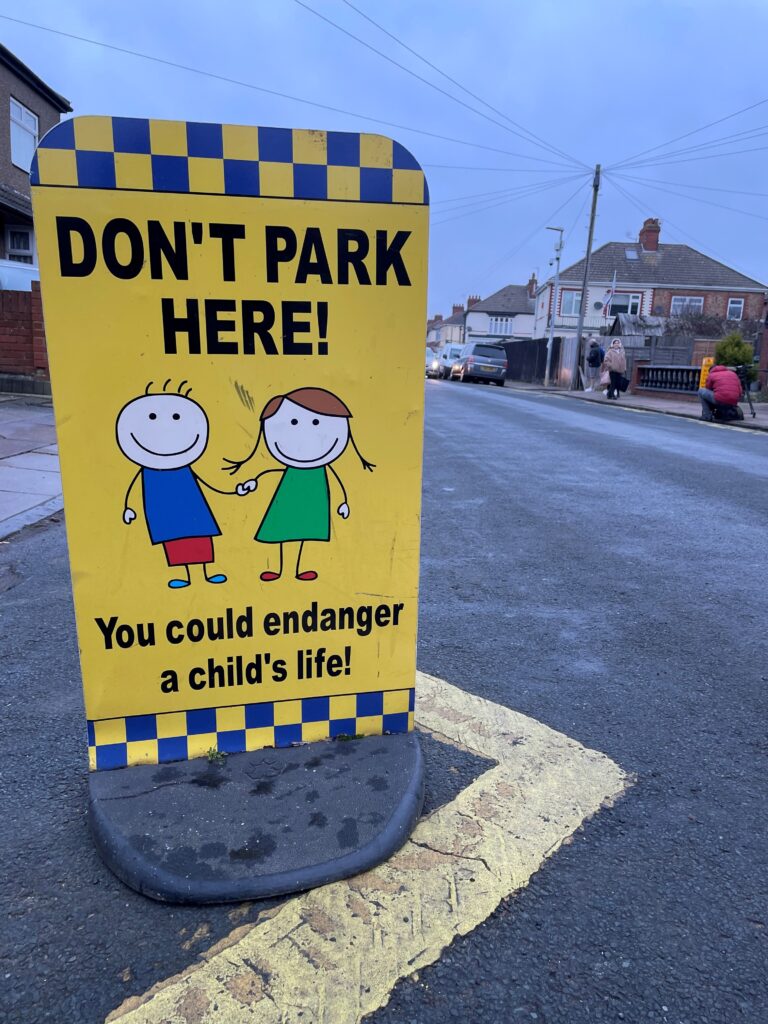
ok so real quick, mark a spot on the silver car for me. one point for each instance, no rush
(432, 364)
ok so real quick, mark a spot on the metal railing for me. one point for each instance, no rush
(683, 379)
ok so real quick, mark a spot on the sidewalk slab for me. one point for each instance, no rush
(23, 429)
(29, 516)
(15, 447)
(13, 502)
(40, 461)
(30, 481)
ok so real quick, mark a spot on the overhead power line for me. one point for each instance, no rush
(684, 184)
(695, 199)
(413, 74)
(511, 170)
(645, 209)
(695, 131)
(681, 233)
(539, 227)
(463, 88)
(498, 192)
(691, 159)
(567, 234)
(269, 92)
(533, 190)
(726, 140)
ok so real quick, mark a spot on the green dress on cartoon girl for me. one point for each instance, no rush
(306, 431)
(300, 508)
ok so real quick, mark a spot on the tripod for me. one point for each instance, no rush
(742, 373)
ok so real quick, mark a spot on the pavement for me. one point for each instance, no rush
(30, 485)
(596, 570)
(670, 406)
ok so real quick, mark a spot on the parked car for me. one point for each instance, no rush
(432, 364)
(481, 361)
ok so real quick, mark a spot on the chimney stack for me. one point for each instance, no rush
(649, 234)
(436, 318)
(472, 300)
(532, 286)
(457, 308)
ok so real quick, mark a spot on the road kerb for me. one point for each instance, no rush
(333, 955)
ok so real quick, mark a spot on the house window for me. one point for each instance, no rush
(682, 304)
(499, 325)
(735, 309)
(570, 303)
(623, 302)
(19, 243)
(23, 135)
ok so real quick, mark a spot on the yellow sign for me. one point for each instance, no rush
(234, 318)
(706, 366)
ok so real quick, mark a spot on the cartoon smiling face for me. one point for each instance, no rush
(304, 439)
(162, 431)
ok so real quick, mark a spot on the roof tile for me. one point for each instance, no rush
(669, 265)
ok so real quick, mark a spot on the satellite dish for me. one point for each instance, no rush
(598, 305)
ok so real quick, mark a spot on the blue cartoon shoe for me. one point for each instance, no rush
(178, 584)
(218, 578)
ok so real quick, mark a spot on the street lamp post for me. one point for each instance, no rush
(551, 338)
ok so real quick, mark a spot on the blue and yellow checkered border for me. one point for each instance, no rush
(142, 154)
(180, 735)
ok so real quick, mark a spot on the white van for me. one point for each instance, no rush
(447, 356)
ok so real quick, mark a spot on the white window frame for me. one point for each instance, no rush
(687, 300)
(741, 310)
(633, 299)
(499, 325)
(14, 254)
(574, 296)
(23, 121)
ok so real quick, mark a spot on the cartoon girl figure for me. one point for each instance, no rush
(306, 431)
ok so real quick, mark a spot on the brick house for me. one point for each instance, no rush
(653, 278)
(28, 109)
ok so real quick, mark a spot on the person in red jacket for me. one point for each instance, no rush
(723, 388)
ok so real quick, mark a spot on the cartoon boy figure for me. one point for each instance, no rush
(164, 434)
(305, 431)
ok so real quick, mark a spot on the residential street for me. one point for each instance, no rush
(603, 571)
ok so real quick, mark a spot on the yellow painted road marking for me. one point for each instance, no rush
(332, 955)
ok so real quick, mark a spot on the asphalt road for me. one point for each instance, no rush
(601, 570)
(606, 572)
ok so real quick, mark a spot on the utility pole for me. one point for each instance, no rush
(587, 259)
(551, 339)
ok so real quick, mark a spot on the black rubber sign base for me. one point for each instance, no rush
(258, 824)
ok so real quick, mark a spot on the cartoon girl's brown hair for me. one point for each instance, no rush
(312, 399)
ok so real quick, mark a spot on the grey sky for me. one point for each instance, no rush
(600, 80)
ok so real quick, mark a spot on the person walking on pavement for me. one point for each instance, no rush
(723, 387)
(615, 363)
(595, 357)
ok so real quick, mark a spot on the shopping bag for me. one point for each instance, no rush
(605, 378)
